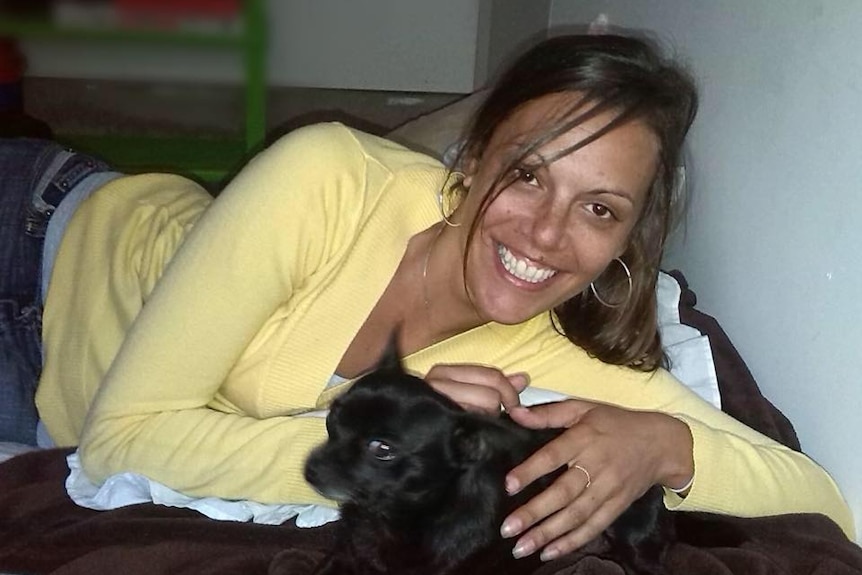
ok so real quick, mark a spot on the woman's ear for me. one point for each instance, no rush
(471, 166)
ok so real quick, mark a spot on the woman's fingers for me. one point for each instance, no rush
(565, 516)
(568, 487)
(559, 537)
(486, 388)
(552, 415)
(470, 397)
(556, 453)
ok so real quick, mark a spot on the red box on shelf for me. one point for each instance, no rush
(179, 14)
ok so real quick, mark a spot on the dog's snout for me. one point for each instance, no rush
(314, 465)
(311, 474)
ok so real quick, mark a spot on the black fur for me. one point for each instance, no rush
(433, 502)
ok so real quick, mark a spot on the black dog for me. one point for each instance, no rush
(420, 484)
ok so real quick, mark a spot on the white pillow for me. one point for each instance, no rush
(687, 350)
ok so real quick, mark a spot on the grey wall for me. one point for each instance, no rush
(379, 44)
(774, 241)
(511, 26)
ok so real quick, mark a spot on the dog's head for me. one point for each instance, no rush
(397, 448)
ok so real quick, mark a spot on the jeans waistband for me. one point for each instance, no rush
(65, 170)
(62, 216)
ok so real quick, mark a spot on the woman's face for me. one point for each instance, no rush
(556, 228)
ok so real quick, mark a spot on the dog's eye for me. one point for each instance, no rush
(380, 450)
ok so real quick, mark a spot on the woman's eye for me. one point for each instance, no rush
(601, 210)
(526, 176)
(381, 450)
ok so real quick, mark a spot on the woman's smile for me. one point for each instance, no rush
(522, 271)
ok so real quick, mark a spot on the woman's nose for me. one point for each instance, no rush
(550, 224)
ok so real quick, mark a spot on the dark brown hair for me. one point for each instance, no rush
(628, 77)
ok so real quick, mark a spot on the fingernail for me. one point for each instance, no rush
(523, 548)
(549, 554)
(512, 485)
(523, 376)
(510, 528)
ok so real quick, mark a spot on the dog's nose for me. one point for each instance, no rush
(311, 475)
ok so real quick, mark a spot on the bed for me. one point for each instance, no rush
(43, 531)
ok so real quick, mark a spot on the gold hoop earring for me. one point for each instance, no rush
(448, 222)
(444, 198)
(628, 296)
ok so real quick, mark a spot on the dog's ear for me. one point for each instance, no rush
(390, 361)
(475, 440)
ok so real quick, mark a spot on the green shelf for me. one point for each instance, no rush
(207, 157)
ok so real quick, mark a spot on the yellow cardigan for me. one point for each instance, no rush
(267, 288)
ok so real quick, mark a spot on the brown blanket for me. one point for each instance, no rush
(42, 531)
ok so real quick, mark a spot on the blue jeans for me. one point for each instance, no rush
(35, 176)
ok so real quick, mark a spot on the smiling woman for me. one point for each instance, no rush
(183, 335)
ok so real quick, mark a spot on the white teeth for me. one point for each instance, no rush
(521, 269)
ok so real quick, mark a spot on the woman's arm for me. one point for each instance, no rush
(270, 229)
(736, 470)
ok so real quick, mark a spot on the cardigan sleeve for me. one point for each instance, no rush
(270, 228)
(738, 471)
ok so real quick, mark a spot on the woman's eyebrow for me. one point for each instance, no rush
(515, 150)
(617, 193)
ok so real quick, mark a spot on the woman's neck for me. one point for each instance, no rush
(447, 308)
(425, 301)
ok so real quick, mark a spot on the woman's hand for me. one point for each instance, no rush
(614, 456)
(477, 387)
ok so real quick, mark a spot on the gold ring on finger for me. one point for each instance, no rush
(585, 472)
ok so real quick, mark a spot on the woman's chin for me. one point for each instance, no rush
(508, 313)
